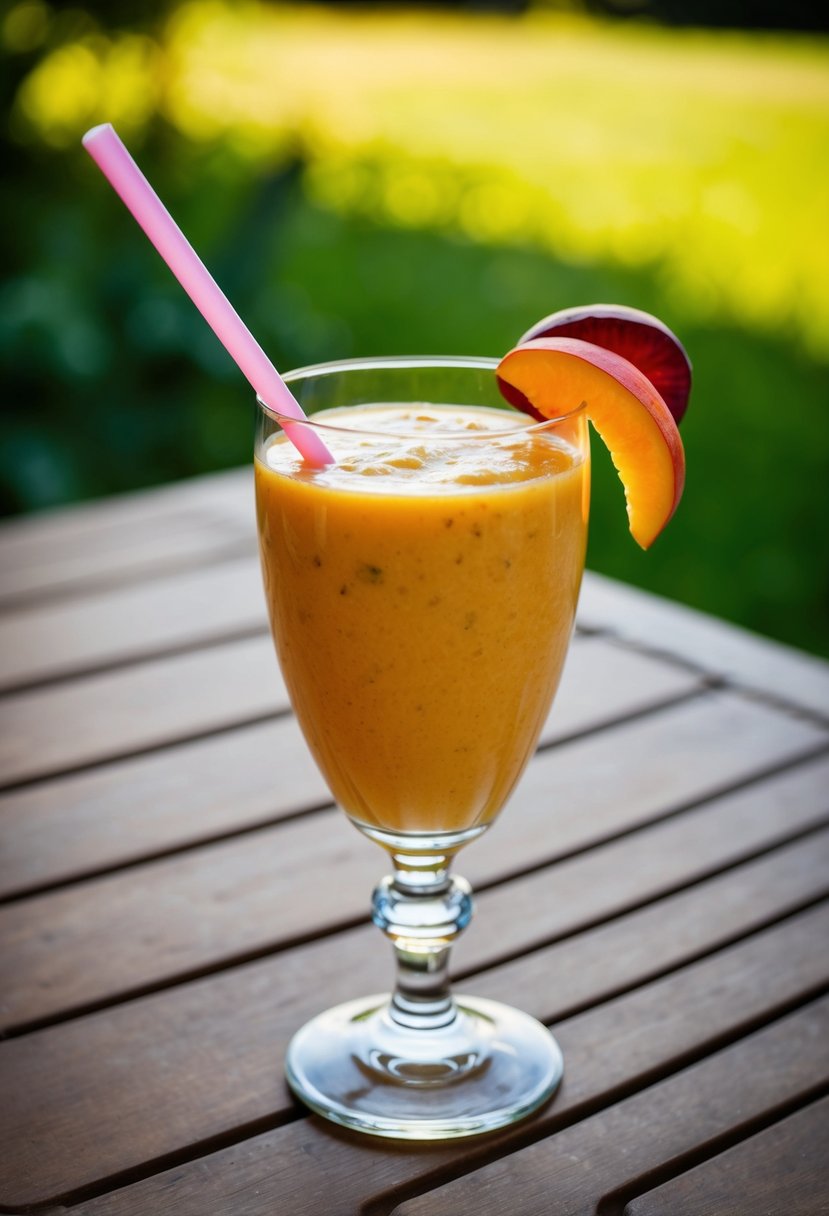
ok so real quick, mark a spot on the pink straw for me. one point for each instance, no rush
(112, 158)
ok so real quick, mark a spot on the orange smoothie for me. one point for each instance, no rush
(422, 593)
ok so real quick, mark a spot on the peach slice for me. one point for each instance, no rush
(547, 377)
(638, 336)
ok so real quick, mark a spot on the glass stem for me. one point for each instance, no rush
(422, 909)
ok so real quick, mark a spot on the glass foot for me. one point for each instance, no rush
(489, 1066)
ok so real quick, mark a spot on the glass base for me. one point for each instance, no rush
(490, 1066)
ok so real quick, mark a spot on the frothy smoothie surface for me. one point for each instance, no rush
(384, 448)
(422, 592)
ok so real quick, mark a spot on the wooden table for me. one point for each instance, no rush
(178, 895)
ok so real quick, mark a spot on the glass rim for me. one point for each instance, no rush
(375, 362)
(405, 363)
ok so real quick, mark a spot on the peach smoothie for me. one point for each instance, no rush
(422, 593)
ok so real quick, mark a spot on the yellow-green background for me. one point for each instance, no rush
(386, 181)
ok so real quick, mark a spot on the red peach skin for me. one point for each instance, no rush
(548, 377)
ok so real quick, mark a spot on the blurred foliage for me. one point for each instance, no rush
(394, 182)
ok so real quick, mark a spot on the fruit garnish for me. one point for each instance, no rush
(548, 377)
(643, 339)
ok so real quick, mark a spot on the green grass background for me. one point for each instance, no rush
(435, 185)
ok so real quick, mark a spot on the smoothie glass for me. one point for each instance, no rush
(422, 594)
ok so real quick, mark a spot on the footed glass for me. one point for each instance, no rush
(422, 594)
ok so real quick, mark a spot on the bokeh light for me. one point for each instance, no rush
(383, 180)
(705, 154)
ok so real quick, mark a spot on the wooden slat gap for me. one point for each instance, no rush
(158, 1165)
(479, 1155)
(718, 1042)
(243, 958)
(691, 957)
(73, 1012)
(150, 857)
(722, 791)
(86, 766)
(93, 872)
(715, 679)
(235, 548)
(219, 838)
(524, 1136)
(89, 766)
(631, 715)
(242, 634)
(165, 505)
(614, 1204)
(660, 653)
(575, 1030)
(746, 658)
(772, 700)
(187, 525)
(635, 905)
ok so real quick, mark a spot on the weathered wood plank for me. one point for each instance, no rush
(203, 908)
(88, 1099)
(568, 1174)
(102, 717)
(127, 537)
(649, 864)
(112, 543)
(715, 646)
(80, 635)
(118, 813)
(47, 731)
(573, 797)
(645, 866)
(618, 1046)
(782, 1169)
(83, 529)
(276, 998)
(598, 963)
